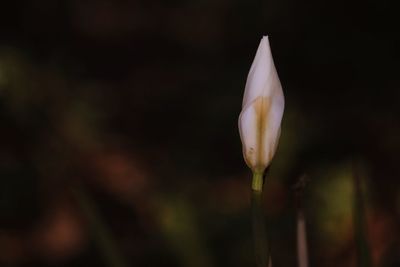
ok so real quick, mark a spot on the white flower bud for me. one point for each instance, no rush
(262, 110)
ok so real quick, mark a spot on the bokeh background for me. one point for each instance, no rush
(119, 141)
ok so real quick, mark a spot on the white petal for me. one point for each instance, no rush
(248, 128)
(262, 110)
(272, 130)
(260, 73)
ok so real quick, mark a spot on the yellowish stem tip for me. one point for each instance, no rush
(257, 183)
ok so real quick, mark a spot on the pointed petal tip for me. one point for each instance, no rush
(265, 38)
(265, 42)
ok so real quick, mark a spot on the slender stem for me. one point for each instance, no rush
(259, 233)
(302, 253)
(360, 226)
(258, 181)
(100, 233)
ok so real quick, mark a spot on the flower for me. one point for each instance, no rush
(262, 110)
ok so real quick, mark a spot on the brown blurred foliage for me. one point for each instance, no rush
(136, 103)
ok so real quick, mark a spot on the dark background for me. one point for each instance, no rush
(124, 114)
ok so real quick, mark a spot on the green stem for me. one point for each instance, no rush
(259, 233)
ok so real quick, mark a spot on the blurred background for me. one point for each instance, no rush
(119, 143)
